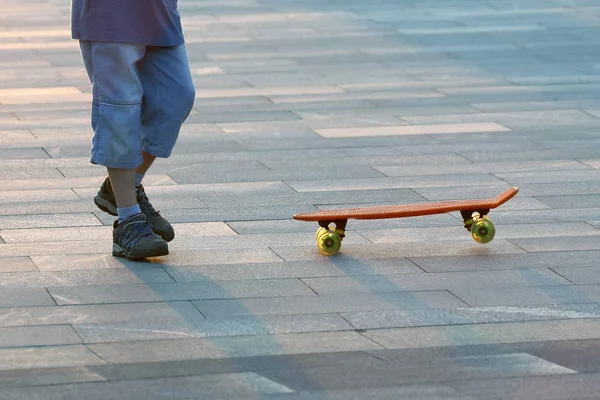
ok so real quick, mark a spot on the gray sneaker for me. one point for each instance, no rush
(134, 239)
(105, 200)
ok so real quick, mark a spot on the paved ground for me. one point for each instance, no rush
(306, 105)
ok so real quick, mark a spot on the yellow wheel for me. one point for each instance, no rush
(328, 242)
(319, 231)
(482, 230)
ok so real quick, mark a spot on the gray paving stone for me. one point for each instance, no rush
(199, 174)
(398, 250)
(131, 275)
(28, 153)
(508, 261)
(311, 198)
(47, 357)
(38, 336)
(567, 202)
(394, 183)
(196, 258)
(523, 178)
(17, 264)
(73, 183)
(457, 232)
(234, 214)
(222, 327)
(228, 347)
(48, 221)
(18, 174)
(42, 377)
(281, 270)
(528, 296)
(327, 304)
(437, 281)
(163, 312)
(215, 386)
(514, 332)
(48, 195)
(478, 168)
(462, 316)
(558, 243)
(25, 297)
(152, 292)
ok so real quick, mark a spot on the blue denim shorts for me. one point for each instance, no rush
(141, 97)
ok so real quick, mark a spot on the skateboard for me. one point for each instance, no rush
(332, 223)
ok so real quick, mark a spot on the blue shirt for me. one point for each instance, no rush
(139, 22)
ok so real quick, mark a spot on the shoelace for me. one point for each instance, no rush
(139, 230)
(145, 205)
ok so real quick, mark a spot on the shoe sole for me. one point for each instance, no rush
(105, 206)
(157, 252)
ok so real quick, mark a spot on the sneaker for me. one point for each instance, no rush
(134, 239)
(105, 200)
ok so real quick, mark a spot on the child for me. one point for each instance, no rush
(142, 92)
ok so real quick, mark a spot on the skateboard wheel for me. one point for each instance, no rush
(329, 243)
(482, 230)
(319, 232)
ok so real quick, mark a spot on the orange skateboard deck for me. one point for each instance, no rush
(474, 212)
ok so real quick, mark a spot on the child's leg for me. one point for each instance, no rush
(116, 110)
(168, 98)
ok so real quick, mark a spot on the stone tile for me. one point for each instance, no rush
(502, 232)
(515, 332)
(558, 243)
(131, 275)
(512, 120)
(50, 376)
(580, 275)
(17, 264)
(213, 386)
(569, 202)
(508, 261)
(525, 178)
(241, 346)
(327, 304)
(475, 180)
(222, 327)
(379, 251)
(200, 174)
(460, 316)
(74, 183)
(29, 336)
(411, 130)
(25, 297)
(19, 174)
(479, 168)
(310, 198)
(105, 233)
(528, 296)
(196, 258)
(152, 292)
(26, 153)
(233, 214)
(152, 313)
(437, 281)
(47, 357)
(281, 270)
(48, 195)
(48, 221)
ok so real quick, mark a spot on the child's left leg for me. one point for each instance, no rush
(168, 99)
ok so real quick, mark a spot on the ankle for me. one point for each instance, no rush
(128, 212)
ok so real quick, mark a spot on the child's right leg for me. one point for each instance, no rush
(117, 142)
